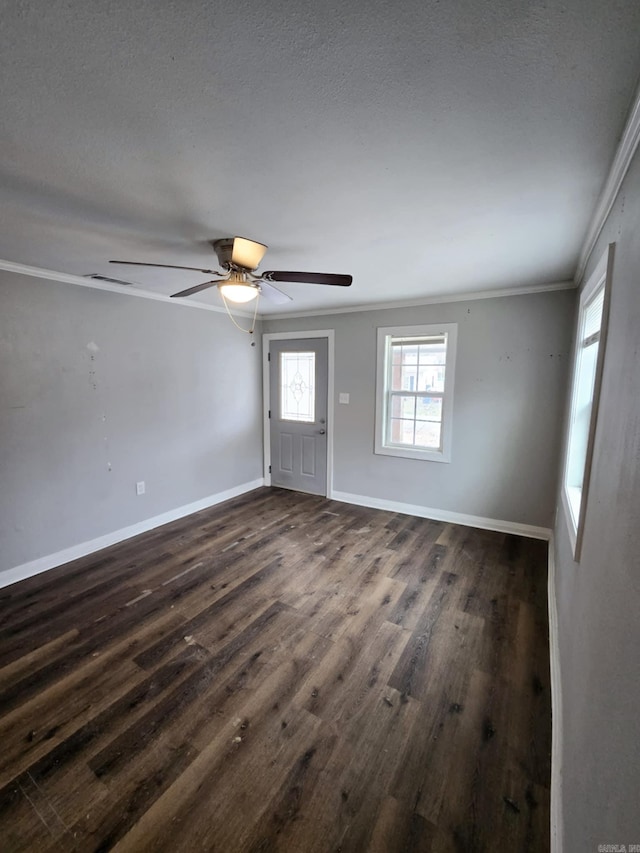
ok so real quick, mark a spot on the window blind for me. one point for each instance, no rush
(396, 342)
(593, 315)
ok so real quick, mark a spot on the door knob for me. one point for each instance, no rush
(322, 431)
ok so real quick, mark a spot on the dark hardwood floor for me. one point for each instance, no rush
(280, 673)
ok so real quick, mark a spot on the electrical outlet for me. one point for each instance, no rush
(140, 488)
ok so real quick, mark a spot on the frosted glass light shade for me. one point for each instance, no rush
(247, 253)
(238, 292)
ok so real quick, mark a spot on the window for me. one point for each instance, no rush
(587, 374)
(414, 391)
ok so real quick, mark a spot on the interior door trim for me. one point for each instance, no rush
(329, 334)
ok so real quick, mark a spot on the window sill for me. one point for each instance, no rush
(571, 497)
(410, 453)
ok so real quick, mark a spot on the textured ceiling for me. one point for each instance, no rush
(426, 148)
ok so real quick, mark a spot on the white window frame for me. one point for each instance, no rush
(574, 500)
(385, 335)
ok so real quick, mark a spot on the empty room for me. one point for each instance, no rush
(320, 426)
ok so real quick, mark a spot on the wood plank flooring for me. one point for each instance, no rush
(280, 673)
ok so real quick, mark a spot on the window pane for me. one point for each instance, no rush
(403, 407)
(432, 353)
(431, 378)
(404, 378)
(428, 434)
(429, 408)
(409, 378)
(584, 382)
(401, 431)
(418, 366)
(409, 353)
(297, 386)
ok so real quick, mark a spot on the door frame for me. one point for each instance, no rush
(329, 334)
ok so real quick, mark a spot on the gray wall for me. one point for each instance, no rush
(510, 385)
(172, 397)
(599, 599)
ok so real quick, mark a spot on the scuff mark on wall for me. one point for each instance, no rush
(93, 349)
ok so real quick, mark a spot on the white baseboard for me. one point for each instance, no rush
(528, 530)
(556, 710)
(51, 561)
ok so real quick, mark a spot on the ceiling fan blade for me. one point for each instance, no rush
(273, 294)
(168, 266)
(308, 277)
(195, 289)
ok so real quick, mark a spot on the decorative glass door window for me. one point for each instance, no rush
(297, 386)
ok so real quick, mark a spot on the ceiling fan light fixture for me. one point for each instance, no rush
(240, 257)
(239, 252)
(238, 291)
(247, 253)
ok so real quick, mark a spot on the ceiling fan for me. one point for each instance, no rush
(239, 258)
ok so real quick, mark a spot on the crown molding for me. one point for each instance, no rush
(625, 151)
(468, 296)
(622, 160)
(126, 290)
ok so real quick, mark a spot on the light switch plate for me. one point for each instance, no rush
(343, 398)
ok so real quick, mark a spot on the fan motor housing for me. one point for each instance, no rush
(224, 250)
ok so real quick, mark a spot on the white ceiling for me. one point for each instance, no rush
(425, 147)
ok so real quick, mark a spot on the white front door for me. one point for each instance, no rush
(298, 377)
